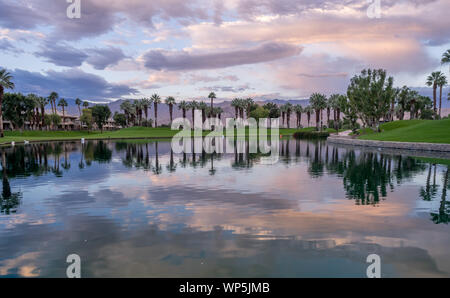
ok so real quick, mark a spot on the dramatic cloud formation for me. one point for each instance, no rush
(286, 47)
(164, 60)
(65, 55)
(71, 83)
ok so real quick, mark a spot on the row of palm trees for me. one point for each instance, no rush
(134, 111)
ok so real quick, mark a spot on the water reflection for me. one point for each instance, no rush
(206, 214)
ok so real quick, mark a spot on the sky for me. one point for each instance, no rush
(265, 49)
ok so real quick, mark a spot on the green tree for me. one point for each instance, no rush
(120, 119)
(433, 81)
(5, 83)
(101, 114)
(170, 101)
(78, 102)
(156, 100)
(87, 119)
(318, 103)
(212, 96)
(370, 95)
(63, 104)
(52, 98)
(442, 82)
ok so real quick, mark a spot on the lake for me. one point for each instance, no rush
(136, 209)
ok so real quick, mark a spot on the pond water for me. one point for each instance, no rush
(136, 209)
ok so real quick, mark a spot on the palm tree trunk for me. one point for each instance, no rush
(1, 112)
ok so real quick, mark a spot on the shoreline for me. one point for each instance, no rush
(409, 146)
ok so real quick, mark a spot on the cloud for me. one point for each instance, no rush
(70, 84)
(65, 55)
(182, 60)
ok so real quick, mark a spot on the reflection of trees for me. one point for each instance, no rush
(443, 216)
(8, 201)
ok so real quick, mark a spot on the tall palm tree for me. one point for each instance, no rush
(202, 106)
(446, 59)
(235, 104)
(5, 83)
(193, 106)
(212, 96)
(318, 103)
(42, 102)
(441, 83)
(170, 101)
(248, 107)
(78, 103)
(298, 112)
(288, 108)
(183, 105)
(156, 100)
(433, 80)
(52, 98)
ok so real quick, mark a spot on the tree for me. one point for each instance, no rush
(101, 114)
(193, 106)
(52, 98)
(370, 95)
(5, 83)
(441, 83)
(433, 81)
(120, 119)
(235, 104)
(212, 96)
(259, 113)
(170, 101)
(87, 119)
(78, 102)
(156, 100)
(42, 102)
(298, 109)
(183, 105)
(203, 106)
(63, 104)
(318, 103)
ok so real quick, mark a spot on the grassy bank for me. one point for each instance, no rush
(423, 131)
(126, 133)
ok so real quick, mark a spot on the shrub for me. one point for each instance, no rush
(311, 134)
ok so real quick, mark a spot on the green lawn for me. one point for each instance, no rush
(126, 133)
(426, 131)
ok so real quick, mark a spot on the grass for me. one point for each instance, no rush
(126, 133)
(423, 131)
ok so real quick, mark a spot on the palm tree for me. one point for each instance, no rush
(248, 106)
(298, 112)
(235, 103)
(202, 106)
(156, 100)
(212, 96)
(42, 102)
(288, 109)
(170, 101)
(146, 103)
(441, 83)
(63, 104)
(318, 103)
(78, 103)
(193, 106)
(446, 58)
(52, 98)
(183, 105)
(5, 83)
(433, 80)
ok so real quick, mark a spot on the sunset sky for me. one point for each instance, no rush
(237, 48)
